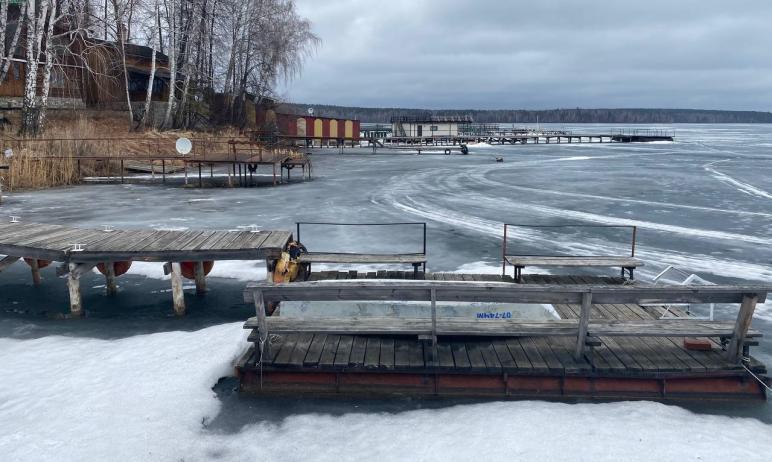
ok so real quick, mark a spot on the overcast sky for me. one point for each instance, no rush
(508, 54)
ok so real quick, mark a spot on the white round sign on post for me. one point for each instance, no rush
(184, 146)
(8, 153)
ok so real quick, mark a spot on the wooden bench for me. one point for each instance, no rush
(429, 329)
(521, 261)
(417, 259)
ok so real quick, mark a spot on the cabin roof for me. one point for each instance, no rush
(432, 118)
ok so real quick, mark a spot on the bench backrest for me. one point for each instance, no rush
(586, 295)
(500, 292)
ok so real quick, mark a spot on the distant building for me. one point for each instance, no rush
(271, 118)
(428, 125)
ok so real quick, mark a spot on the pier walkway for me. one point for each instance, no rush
(112, 251)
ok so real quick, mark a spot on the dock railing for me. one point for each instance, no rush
(432, 291)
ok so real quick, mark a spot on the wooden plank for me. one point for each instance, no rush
(543, 345)
(504, 356)
(561, 348)
(357, 356)
(373, 353)
(445, 356)
(742, 324)
(534, 356)
(584, 319)
(518, 354)
(315, 257)
(330, 348)
(298, 356)
(387, 353)
(492, 363)
(502, 292)
(372, 325)
(416, 354)
(344, 350)
(315, 350)
(275, 349)
(283, 357)
(460, 356)
(276, 241)
(401, 353)
(474, 353)
(600, 261)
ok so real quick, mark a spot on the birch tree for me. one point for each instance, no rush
(151, 79)
(9, 53)
(34, 22)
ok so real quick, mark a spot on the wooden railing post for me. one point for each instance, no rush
(433, 293)
(262, 324)
(584, 319)
(741, 326)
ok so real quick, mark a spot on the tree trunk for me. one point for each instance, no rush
(12, 48)
(172, 65)
(34, 36)
(151, 79)
(49, 53)
(119, 12)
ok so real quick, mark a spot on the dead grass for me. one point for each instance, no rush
(51, 160)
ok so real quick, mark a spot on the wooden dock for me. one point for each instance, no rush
(608, 344)
(112, 251)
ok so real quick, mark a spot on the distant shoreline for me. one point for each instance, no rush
(564, 116)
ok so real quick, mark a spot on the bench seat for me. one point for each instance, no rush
(625, 262)
(372, 325)
(521, 261)
(318, 257)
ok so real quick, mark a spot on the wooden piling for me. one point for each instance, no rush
(178, 296)
(200, 278)
(73, 286)
(35, 269)
(110, 286)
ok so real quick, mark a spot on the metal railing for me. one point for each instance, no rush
(417, 224)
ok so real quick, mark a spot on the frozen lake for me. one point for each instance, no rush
(132, 382)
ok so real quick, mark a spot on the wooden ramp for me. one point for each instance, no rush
(622, 365)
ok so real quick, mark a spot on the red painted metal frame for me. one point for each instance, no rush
(498, 386)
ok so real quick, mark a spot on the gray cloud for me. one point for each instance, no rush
(528, 54)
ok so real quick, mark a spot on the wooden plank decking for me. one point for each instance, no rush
(656, 367)
(57, 243)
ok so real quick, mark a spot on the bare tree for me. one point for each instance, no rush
(151, 79)
(8, 54)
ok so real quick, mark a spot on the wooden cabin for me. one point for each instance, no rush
(428, 125)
